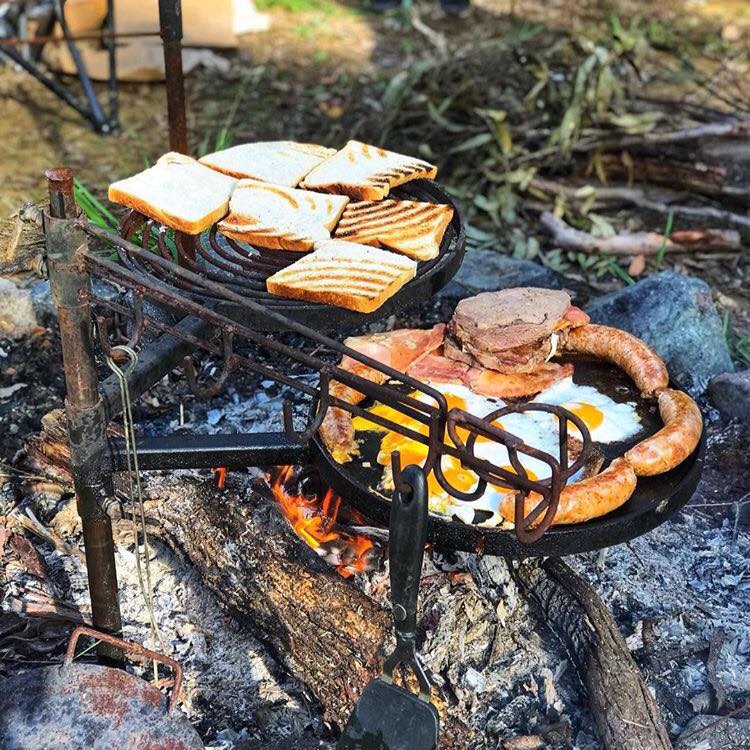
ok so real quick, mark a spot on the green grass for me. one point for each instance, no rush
(739, 346)
(663, 246)
(96, 212)
(617, 270)
(303, 6)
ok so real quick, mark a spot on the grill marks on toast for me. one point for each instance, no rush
(279, 217)
(409, 227)
(345, 274)
(364, 172)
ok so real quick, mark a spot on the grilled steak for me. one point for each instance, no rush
(511, 331)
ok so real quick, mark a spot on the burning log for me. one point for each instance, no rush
(625, 714)
(324, 630)
(327, 632)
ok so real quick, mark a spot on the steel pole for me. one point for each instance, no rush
(170, 26)
(87, 421)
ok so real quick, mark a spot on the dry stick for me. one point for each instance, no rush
(625, 714)
(637, 243)
(714, 130)
(638, 198)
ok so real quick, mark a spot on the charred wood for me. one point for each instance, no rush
(625, 714)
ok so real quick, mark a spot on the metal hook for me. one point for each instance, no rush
(320, 407)
(188, 367)
(103, 330)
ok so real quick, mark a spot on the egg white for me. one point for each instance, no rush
(537, 430)
(619, 421)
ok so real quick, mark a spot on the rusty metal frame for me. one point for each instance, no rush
(164, 286)
(153, 275)
(86, 416)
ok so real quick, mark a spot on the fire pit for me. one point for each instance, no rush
(217, 285)
(213, 291)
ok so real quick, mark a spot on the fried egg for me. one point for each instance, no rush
(608, 421)
(483, 510)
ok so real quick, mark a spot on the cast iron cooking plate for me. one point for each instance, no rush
(244, 269)
(653, 502)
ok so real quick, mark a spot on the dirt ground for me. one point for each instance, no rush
(321, 57)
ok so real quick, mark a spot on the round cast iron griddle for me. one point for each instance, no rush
(244, 269)
(655, 498)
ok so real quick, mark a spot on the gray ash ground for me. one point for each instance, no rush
(673, 592)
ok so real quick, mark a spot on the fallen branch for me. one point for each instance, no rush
(625, 714)
(638, 243)
(713, 130)
(640, 199)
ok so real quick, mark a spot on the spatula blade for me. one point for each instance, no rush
(388, 717)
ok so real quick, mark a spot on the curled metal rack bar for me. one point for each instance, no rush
(152, 272)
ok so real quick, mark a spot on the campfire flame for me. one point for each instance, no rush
(314, 517)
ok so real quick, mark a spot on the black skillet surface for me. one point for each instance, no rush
(431, 276)
(654, 500)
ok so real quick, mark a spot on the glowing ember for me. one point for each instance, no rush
(313, 515)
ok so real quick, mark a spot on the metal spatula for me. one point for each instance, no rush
(387, 717)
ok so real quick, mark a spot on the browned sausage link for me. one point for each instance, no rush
(337, 430)
(639, 361)
(587, 499)
(670, 446)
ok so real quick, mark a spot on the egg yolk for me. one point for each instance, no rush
(398, 417)
(589, 415)
(464, 480)
(529, 473)
(411, 451)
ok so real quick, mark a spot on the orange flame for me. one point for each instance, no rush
(314, 518)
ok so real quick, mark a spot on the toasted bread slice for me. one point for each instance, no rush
(366, 173)
(279, 162)
(409, 227)
(178, 192)
(279, 217)
(344, 274)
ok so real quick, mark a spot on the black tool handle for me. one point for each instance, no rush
(408, 534)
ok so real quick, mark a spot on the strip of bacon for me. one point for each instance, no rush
(397, 349)
(435, 368)
(492, 383)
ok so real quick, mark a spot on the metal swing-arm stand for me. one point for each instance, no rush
(89, 107)
(84, 406)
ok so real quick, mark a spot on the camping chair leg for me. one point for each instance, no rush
(96, 116)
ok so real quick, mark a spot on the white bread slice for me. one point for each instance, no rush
(344, 274)
(279, 217)
(412, 228)
(279, 162)
(177, 192)
(366, 173)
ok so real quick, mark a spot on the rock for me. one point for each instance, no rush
(487, 270)
(41, 299)
(17, 316)
(677, 317)
(730, 394)
(21, 240)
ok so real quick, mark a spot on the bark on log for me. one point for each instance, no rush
(625, 714)
(324, 630)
